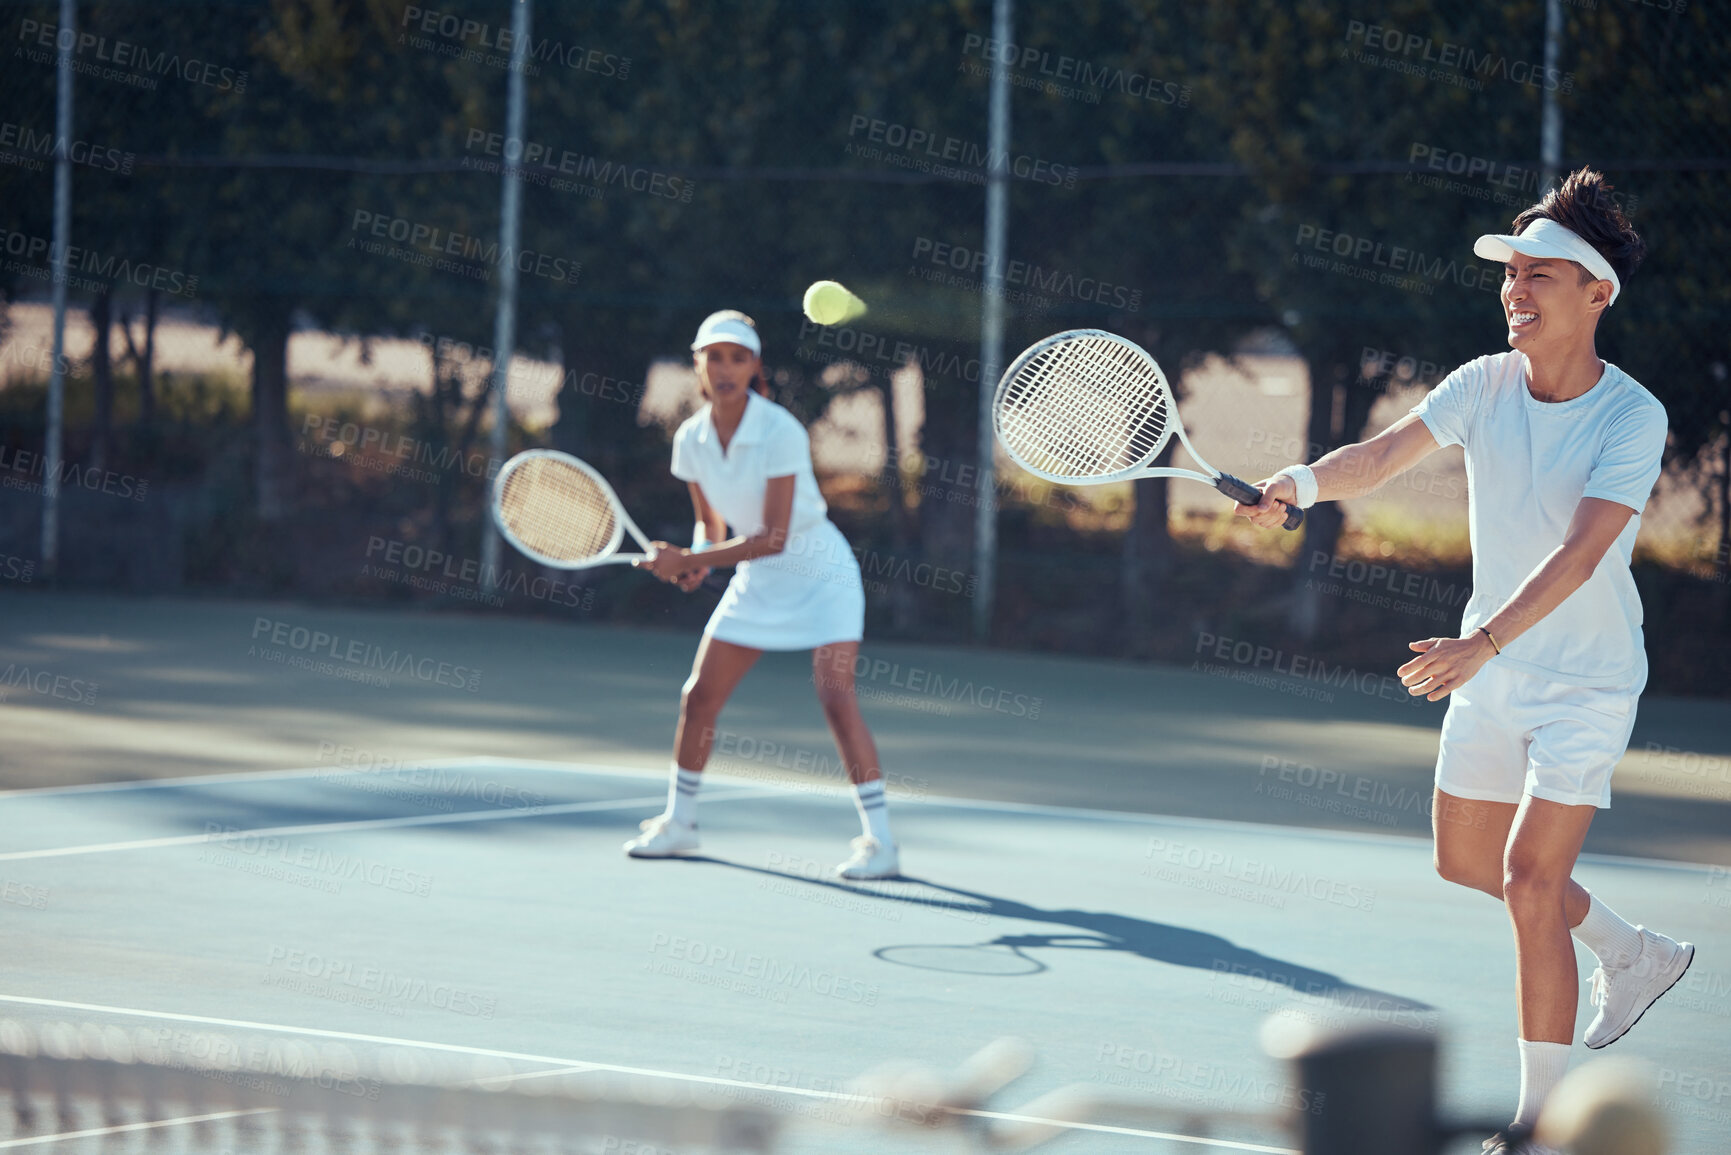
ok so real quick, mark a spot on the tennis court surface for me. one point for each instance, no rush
(480, 909)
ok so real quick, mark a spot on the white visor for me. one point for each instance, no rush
(1547, 238)
(715, 330)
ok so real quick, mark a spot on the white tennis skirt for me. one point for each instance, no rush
(807, 596)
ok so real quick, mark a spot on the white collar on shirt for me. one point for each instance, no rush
(751, 423)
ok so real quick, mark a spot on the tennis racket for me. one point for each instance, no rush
(560, 512)
(1087, 407)
(557, 510)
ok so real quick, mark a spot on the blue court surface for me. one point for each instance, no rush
(483, 907)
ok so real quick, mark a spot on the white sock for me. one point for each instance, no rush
(874, 816)
(682, 795)
(1603, 931)
(1542, 1068)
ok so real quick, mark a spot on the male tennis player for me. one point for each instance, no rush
(747, 462)
(1562, 450)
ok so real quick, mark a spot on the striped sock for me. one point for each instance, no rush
(1542, 1068)
(682, 795)
(874, 816)
(1608, 935)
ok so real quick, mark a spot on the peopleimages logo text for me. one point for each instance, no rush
(1062, 68)
(442, 242)
(977, 262)
(80, 259)
(123, 54)
(1420, 50)
(538, 158)
(497, 38)
(367, 655)
(1368, 251)
(103, 158)
(954, 150)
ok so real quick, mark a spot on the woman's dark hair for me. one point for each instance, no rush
(758, 383)
(1588, 206)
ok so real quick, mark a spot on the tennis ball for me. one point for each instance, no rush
(1604, 1108)
(829, 303)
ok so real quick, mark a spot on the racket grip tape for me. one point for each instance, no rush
(1244, 493)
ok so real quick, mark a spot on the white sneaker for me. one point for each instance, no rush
(662, 838)
(871, 859)
(1624, 993)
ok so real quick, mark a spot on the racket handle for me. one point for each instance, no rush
(1244, 493)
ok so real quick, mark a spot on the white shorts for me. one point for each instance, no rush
(1508, 733)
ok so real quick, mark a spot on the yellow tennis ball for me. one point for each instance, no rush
(829, 303)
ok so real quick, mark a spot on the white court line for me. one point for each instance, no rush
(594, 769)
(1236, 825)
(120, 1127)
(615, 1068)
(333, 768)
(200, 779)
(367, 824)
(501, 1080)
(1240, 825)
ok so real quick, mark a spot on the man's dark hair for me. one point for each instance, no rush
(1587, 204)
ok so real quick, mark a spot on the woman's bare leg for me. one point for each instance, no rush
(832, 671)
(875, 854)
(715, 673)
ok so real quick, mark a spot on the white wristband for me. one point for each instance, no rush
(699, 538)
(1304, 481)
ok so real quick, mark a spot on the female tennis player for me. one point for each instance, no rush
(797, 586)
(1562, 451)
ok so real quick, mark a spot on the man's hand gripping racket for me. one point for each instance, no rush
(557, 510)
(1086, 407)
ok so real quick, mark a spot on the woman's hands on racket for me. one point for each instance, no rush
(1278, 493)
(1444, 665)
(673, 564)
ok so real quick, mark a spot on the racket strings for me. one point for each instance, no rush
(558, 511)
(1088, 407)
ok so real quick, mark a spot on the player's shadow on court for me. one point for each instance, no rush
(1007, 955)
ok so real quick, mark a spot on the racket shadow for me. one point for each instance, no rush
(1007, 955)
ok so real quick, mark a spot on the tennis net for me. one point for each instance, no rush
(77, 1088)
(86, 1088)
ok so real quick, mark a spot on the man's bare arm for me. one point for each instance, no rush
(1445, 664)
(1355, 470)
(1350, 471)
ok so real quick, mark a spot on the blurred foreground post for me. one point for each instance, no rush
(992, 328)
(1372, 1088)
(1551, 118)
(505, 319)
(66, 41)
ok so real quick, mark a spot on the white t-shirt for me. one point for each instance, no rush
(770, 442)
(1529, 464)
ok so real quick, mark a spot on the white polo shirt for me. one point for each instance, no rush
(1529, 464)
(810, 593)
(770, 442)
